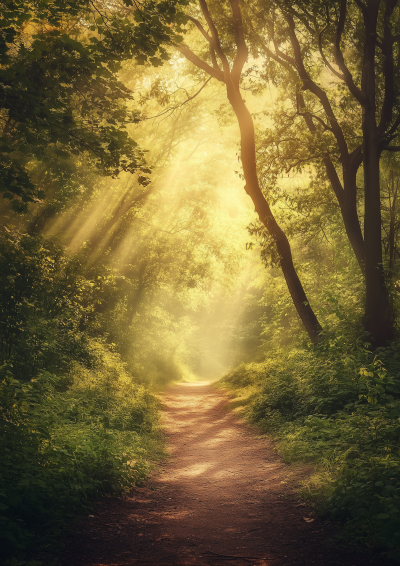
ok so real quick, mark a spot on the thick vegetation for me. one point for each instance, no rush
(75, 424)
(336, 405)
(125, 263)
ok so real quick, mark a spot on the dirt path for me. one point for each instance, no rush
(223, 497)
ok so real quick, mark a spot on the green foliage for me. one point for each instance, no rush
(60, 451)
(45, 303)
(59, 91)
(74, 424)
(338, 406)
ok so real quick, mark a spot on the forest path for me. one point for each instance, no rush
(223, 497)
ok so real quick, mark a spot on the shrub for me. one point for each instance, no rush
(339, 406)
(59, 450)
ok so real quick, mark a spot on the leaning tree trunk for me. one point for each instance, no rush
(350, 215)
(248, 156)
(346, 193)
(347, 198)
(230, 76)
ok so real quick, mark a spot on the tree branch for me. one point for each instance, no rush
(315, 117)
(171, 109)
(325, 60)
(388, 69)
(393, 128)
(391, 148)
(309, 84)
(190, 56)
(274, 56)
(278, 52)
(200, 27)
(347, 76)
(209, 39)
(283, 55)
(356, 157)
(215, 38)
(329, 167)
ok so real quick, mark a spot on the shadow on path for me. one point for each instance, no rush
(223, 497)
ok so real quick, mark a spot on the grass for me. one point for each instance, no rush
(337, 407)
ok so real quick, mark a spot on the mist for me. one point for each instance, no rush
(175, 246)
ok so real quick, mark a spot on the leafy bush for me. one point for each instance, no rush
(59, 451)
(45, 304)
(338, 405)
(74, 424)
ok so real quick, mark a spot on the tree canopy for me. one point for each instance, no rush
(60, 95)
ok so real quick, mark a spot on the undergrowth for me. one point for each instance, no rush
(338, 406)
(60, 451)
(74, 423)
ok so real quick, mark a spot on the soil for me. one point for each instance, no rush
(222, 497)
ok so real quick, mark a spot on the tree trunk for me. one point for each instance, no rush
(346, 196)
(378, 318)
(392, 226)
(350, 215)
(378, 315)
(248, 156)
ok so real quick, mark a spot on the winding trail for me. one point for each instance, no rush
(223, 497)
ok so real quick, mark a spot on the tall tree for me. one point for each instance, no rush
(342, 59)
(226, 65)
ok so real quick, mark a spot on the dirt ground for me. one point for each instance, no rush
(223, 497)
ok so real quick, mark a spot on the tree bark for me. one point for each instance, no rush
(378, 313)
(248, 156)
(346, 196)
(392, 224)
(350, 214)
(230, 76)
(346, 193)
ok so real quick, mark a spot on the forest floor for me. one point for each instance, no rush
(223, 497)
